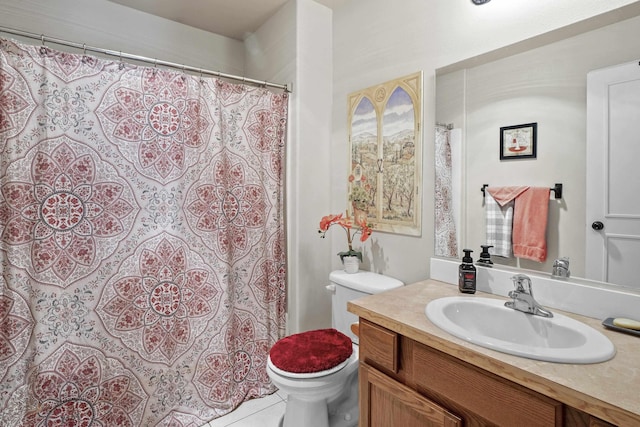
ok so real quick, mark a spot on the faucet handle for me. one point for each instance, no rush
(523, 297)
(561, 268)
(522, 283)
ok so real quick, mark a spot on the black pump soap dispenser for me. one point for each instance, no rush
(467, 274)
(485, 256)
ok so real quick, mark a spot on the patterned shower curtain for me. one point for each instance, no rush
(141, 241)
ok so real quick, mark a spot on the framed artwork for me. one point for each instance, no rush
(385, 155)
(518, 142)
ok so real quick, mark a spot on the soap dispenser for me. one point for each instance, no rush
(467, 274)
(485, 256)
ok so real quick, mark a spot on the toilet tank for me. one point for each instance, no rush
(347, 287)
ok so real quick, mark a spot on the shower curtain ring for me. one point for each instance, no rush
(43, 49)
(84, 49)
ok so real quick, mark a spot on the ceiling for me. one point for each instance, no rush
(230, 18)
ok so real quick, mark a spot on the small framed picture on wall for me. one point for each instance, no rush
(518, 142)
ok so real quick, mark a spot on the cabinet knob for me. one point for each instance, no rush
(597, 225)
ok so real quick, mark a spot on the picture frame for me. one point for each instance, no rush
(385, 155)
(518, 141)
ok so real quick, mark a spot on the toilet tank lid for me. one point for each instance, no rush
(365, 281)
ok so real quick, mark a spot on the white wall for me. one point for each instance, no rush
(378, 40)
(108, 25)
(295, 46)
(309, 257)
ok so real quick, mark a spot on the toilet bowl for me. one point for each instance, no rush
(321, 381)
(309, 395)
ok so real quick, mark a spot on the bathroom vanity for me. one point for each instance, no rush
(414, 374)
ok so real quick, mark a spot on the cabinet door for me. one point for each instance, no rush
(385, 402)
(481, 397)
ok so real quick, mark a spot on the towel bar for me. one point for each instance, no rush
(557, 189)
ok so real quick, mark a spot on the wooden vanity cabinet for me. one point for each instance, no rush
(405, 383)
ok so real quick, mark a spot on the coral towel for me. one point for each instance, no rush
(311, 351)
(530, 224)
(504, 195)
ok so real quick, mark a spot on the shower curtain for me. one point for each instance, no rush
(445, 227)
(141, 241)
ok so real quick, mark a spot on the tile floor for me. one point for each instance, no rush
(263, 412)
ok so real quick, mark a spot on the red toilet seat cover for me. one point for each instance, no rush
(311, 351)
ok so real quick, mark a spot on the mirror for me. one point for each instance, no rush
(543, 81)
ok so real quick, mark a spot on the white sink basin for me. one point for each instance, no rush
(488, 323)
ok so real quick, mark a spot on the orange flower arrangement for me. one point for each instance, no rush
(347, 224)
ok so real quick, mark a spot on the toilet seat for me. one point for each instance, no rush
(311, 352)
(306, 375)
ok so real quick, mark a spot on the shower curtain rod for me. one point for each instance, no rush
(153, 61)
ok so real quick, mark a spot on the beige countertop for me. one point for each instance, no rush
(608, 390)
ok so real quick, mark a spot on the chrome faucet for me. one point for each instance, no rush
(522, 297)
(561, 268)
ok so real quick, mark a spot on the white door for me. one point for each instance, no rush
(613, 175)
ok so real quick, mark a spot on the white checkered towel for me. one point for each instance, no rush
(499, 226)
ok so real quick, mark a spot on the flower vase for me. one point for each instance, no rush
(351, 264)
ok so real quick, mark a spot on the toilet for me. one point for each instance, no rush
(319, 369)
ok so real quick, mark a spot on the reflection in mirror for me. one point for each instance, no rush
(447, 142)
(546, 85)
